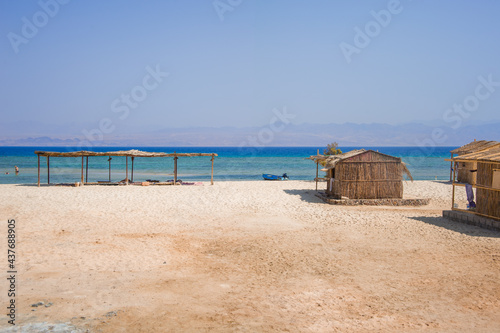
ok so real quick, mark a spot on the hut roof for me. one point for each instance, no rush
(130, 153)
(317, 158)
(332, 160)
(475, 146)
(323, 158)
(489, 155)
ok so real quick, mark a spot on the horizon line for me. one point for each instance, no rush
(199, 146)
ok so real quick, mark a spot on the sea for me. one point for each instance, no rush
(232, 163)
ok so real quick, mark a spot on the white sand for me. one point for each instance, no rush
(249, 256)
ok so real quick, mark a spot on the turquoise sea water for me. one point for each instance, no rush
(233, 163)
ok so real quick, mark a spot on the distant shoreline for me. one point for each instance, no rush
(259, 147)
(232, 163)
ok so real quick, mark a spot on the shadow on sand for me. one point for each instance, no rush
(46, 185)
(305, 195)
(463, 228)
(442, 182)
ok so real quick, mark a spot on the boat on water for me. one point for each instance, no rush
(268, 176)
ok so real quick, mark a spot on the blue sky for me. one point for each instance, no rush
(261, 55)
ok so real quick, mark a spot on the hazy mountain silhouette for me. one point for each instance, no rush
(348, 134)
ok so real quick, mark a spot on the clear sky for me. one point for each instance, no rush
(230, 62)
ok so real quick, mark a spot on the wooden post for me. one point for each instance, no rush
(109, 160)
(451, 168)
(82, 172)
(48, 169)
(86, 169)
(175, 170)
(453, 190)
(132, 176)
(317, 170)
(317, 167)
(126, 170)
(212, 176)
(38, 170)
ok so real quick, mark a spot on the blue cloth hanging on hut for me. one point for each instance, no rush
(470, 196)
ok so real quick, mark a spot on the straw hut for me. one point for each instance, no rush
(466, 172)
(487, 181)
(365, 174)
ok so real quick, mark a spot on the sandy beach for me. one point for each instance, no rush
(249, 256)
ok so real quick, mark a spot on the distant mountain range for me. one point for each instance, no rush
(348, 134)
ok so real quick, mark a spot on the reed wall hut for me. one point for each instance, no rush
(466, 172)
(365, 174)
(487, 181)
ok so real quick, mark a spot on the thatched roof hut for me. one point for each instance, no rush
(467, 171)
(474, 146)
(487, 182)
(364, 174)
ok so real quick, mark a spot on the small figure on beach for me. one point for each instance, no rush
(7, 173)
(17, 169)
(123, 181)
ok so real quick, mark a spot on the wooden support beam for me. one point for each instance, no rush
(81, 178)
(453, 190)
(478, 186)
(126, 170)
(212, 174)
(48, 169)
(38, 169)
(86, 169)
(317, 170)
(175, 170)
(469, 160)
(451, 168)
(132, 176)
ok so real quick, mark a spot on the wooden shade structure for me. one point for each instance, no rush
(363, 174)
(466, 170)
(123, 153)
(487, 183)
